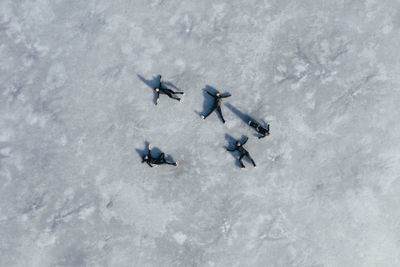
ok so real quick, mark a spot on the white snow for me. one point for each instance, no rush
(75, 116)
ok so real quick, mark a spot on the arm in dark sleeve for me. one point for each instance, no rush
(148, 163)
(157, 97)
(225, 96)
(209, 93)
(245, 140)
(261, 136)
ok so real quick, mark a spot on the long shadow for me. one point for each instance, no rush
(244, 117)
(170, 85)
(153, 83)
(208, 100)
(231, 145)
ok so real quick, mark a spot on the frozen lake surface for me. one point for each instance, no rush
(76, 111)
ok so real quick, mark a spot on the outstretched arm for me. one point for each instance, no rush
(209, 93)
(225, 96)
(245, 140)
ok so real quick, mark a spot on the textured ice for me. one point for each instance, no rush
(75, 117)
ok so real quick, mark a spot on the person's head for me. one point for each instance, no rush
(267, 134)
(218, 93)
(145, 158)
(238, 143)
(157, 89)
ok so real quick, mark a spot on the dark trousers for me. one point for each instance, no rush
(161, 160)
(171, 93)
(249, 157)
(253, 124)
(219, 111)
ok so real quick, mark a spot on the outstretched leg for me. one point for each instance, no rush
(173, 96)
(253, 124)
(208, 114)
(161, 159)
(219, 111)
(240, 160)
(251, 159)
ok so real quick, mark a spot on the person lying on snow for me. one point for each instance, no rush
(261, 130)
(156, 161)
(216, 105)
(243, 152)
(162, 90)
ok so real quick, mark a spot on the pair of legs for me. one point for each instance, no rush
(218, 108)
(249, 157)
(264, 132)
(253, 124)
(161, 160)
(172, 94)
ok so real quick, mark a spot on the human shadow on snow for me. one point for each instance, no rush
(244, 117)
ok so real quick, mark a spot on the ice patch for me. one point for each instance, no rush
(387, 28)
(5, 135)
(5, 151)
(85, 213)
(57, 76)
(180, 237)
(46, 239)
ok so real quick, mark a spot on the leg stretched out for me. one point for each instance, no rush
(219, 111)
(240, 160)
(251, 159)
(253, 124)
(162, 160)
(209, 112)
(173, 96)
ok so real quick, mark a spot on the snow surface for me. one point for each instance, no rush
(76, 111)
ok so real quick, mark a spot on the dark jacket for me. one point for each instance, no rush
(217, 99)
(240, 148)
(263, 131)
(163, 90)
(150, 160)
